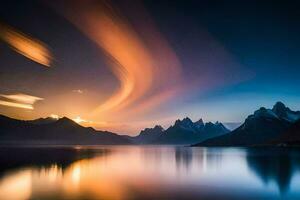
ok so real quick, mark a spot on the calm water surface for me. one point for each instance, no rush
(147, 172)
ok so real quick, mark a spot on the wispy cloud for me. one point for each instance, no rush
(78, 91)
(22, 98)
(19, 100)
(27, 46)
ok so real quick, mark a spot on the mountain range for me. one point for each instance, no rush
(277, 126)
(65, 131)
(265, 127)
(182, 132)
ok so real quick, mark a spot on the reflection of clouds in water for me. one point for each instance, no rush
(146, 172)
(16, 186)
(76, 174)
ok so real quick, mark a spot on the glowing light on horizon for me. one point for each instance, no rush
(54, 116)
(79, 120)
(19, 101)
(27, 46)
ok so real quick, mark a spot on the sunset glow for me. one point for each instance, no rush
(149, 99)
(78, 120)
(54, 116)
(121, 68)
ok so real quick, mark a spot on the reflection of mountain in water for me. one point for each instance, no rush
(13, 158)
(277, 165)
(203, 158)
(183, 157)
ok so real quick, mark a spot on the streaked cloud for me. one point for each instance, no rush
(19, 100)
(26, 45)
(23, 98)
(16, 105)
(144, 64)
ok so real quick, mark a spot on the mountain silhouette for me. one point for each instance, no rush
(187, 132)
(259, 128)
(289, 137)
(61, 131)
(46, 120)
(148, 135)
(277, 126)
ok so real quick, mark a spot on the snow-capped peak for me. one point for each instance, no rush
(279, 111)
(264, 112)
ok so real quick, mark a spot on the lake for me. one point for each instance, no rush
(149, 172)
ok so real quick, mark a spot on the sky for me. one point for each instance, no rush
(123, 65)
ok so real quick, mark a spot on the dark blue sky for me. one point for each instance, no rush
(262, 35)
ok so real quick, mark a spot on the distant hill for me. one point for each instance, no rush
(48, 131)
(263, 126)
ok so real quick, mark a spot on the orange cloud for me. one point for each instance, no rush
(143, 62)
(29, 47)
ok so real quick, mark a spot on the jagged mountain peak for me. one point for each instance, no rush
(184, 122)
(197, 126)
(158, 127)
(279, 105)
(148, 135)
(199, 122)
(209, 124)
(155, 129)
(219, 123)
(67, 122)
(280, 109)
